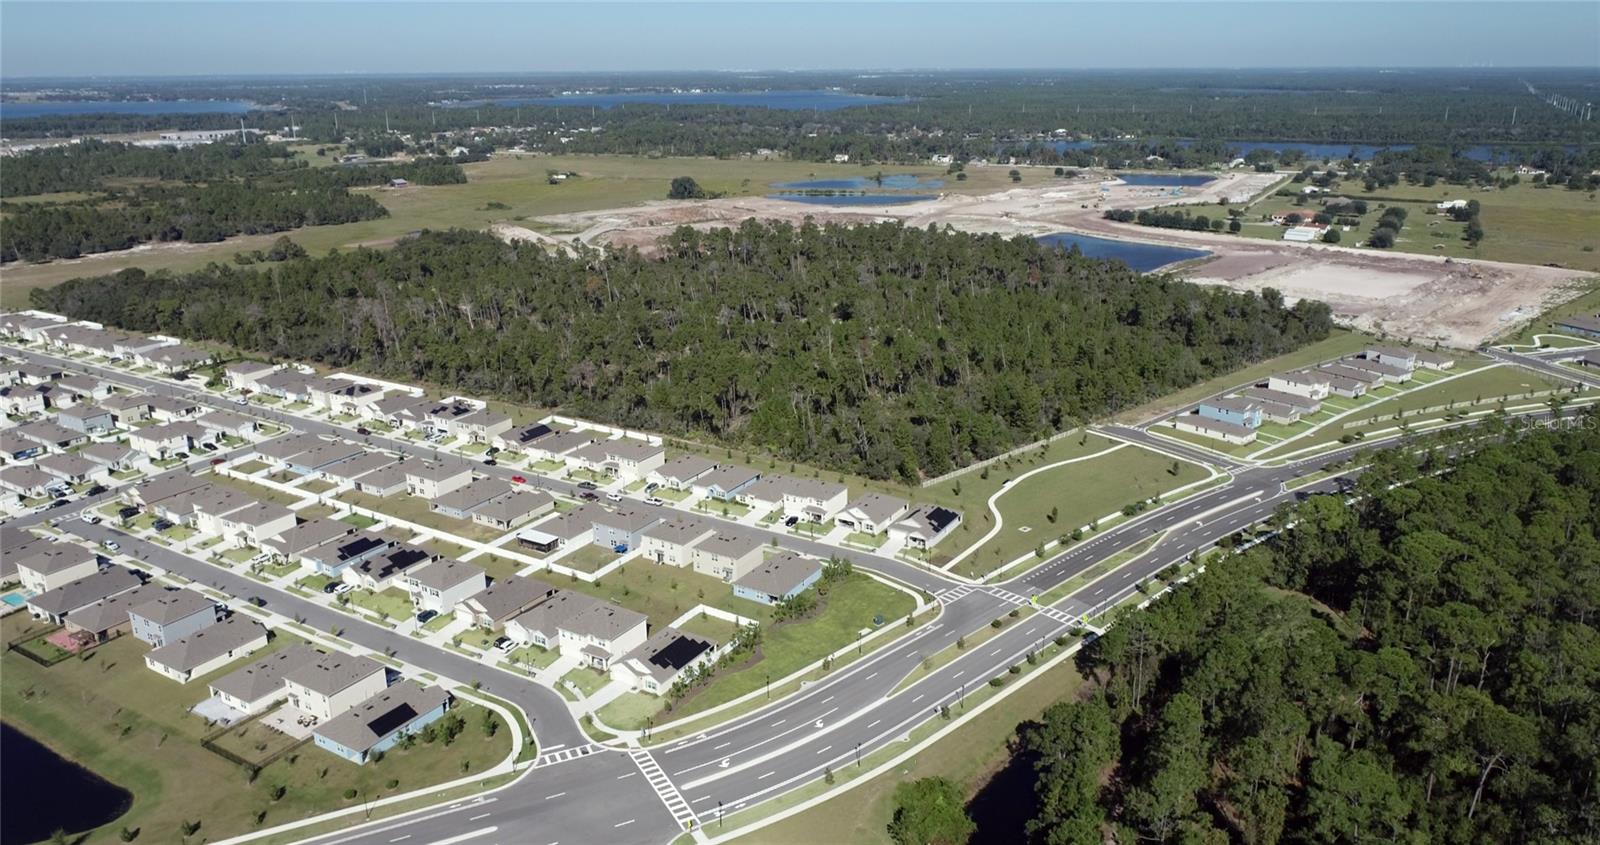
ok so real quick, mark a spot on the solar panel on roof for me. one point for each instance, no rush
(938, 518)
(679, 653)
(393, 720)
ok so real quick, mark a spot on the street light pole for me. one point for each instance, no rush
(769, 686)
(858, 755)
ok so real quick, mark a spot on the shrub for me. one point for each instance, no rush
(996, 623)
(997, 682)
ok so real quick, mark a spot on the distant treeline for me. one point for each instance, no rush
(198, 194)
(890, 351)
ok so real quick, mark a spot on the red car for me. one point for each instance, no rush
(517, 479)
(217, 461)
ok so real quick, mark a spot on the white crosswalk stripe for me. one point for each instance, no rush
(668, 793)
(564, 754)
(955, 593)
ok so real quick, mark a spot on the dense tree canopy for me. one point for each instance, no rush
(1422, 666)
(889, 350)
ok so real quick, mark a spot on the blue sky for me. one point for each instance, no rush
(222, 37)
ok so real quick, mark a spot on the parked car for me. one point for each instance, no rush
(615, 497)
(332, 587)
(651, 487)
(363, 431)
(90, 518)
(96, 490)
(517, 479)
(182, 456)
(504, 644)
(791, 522)
(59, 502)
(426, 616)
(342, 588)
(217, 461)
(161, 525)
(113, 545)
(654, 501)
(493, 450)
(257, 601)
(589, 497)
(209, 447)
(489, 462)
(127, 513)
(588, 485)
(241, 401)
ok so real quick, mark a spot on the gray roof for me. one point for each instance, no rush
(225, 421)
(660, 640)
(1218, 426)
(734, 544)
(172, 606)
(85, 411)
(604, 622)
(153, 490)
(1391, 351)
(284, 448)
(507, 597)
(528, 434)
(47, 432)
(386, 478)
(569, 525)
(17, 543)
(56, 557)
(394, 560)
(1305, 377)
(355, 467)
(323, 454)
(265, 676)
(382, 716)
(728, 477)
(679, 530)
(402, 402)
(108, 613)
(207, 644)
(562, 442)
(630, 449)
(187, 429)
(515, 506)
(172, 404)
(106, 452)
(685, 468)
(26, 475)
(66, 465)
(331, 673)
(436, 470)
(549, 615)
(85, 591)
(12, 443)
(627, 518)
(472, 494)
(124, 401)
(1235, 404)
(1279, 397)
(308, 534)
(880, 507)
(259, 513)
(780, 574)
(1351, 373)
(445, 573)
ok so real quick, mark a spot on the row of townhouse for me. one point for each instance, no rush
(233, 515)
(162, 354)
(1287, 397)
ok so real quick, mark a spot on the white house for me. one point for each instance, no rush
(430, 480)
(926, 526)
(440, 585)
(334, 683)
(669, 542)
(807, 498)
(728, 555)
(623, 458)
(873, 513)
(207, 650)
(1307, 383)
(56, 565)
(682, 472)
(254, 687)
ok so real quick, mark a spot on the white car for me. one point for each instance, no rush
(342, 589)
(90, 518)
(615, 497)
(241, 401)
(113, 545)
(654, 500)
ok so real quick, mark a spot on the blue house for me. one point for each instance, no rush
(1233, 410)
(779, 579)
(335, 556)
(378, 723)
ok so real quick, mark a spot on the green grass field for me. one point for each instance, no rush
(131, 726)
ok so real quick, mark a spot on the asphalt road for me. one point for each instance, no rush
(788, 743)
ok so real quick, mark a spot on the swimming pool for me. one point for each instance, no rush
(13, 599)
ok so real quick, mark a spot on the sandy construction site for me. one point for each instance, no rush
(1459, 303)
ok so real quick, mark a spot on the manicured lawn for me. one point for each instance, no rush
(668, 494)
(531, 655)
(416, 510)
(732, 510)
(131, 726)
(444, 547)
(316, 581)
(394, 602)
(438, 623)
(588, 558)
(710, 627)
(250, 467)
(868, 540)
(262, 492)
(1078, 492)
(237, 556)
(498, 568)
(359, 520)
(630, 711)
(317, 486)
(588, 681)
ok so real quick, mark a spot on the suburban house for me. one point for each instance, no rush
(664, 657)
(378, 723)
(334, 683)
(14, 447)
(556, 447)
(20, 401)
(255, 523)
(728, 555)
(49, 434)
(669, 542)
(227, 423)
(291, 542)
(1393, 356)
(402, 410)
(108, 617)
(578, 624)
(620, 529)
(207, 650)
(86, 419)
(725, 482)
(430, 479)
(27, 480)
(383, 482)
(151, 491)
(174, 358)
(1232, 410)
(1307, 383)
(1435, 361)
(682, 472)
(873, 513)
(573, 527)
(440, 585)
(127, 408)
(1303, 404)
(503, 601)
(257, 686)
(82, 388)
(56, 565)
(279, 450)
(1386, 373)
(1583, 325)
(481, 426)
(171, 616)
(519, 439)
(247, 375)
(159, 442)
(57, 604)
(288, 385)
(323, 454)
(344, 396)
(924, 527)
(378, 572)
(512, 509)
(779, 578)
(72, 468)
(350, 469)
(460, 502)
(1194, 423)
(171, 408)
(807, 498)
(204, 508)
(623, 458)
(1366, 378)
(441, 417)
(334, 556)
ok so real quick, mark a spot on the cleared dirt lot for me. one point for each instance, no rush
(1457, 302)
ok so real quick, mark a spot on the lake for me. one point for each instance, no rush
(1165, 180)
(17, 111)
(56, 792)
(854, 199)
(897, 182)
(789, 100)
(1139, 256)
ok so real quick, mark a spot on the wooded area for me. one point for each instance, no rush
(886, 350)
(1421, 666)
